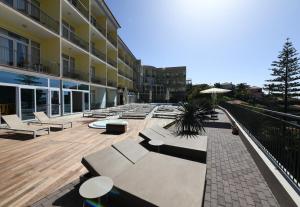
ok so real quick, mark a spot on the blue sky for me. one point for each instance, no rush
(218, 40)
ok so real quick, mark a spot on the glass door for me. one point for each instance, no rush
(55, 103)
(27, 103)
(77, 101)
(67, 102)
(42, 100)
(86, 101)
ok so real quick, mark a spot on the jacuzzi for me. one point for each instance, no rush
(101, 124)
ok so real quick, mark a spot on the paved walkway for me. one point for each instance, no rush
(233, 179)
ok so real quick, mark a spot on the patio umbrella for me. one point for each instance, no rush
(150, 96)
(167, 95)
(214, 92)
(125, 96)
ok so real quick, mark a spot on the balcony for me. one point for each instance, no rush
(33, 12)
(72, 37)
(111, 83)
(111, 39)
(101, 81)
(99, 54)
(22, 61)
(112, 62)
(75, 74)
(80, 7)
(101, 29)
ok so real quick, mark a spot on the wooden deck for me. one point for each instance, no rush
(30, 168)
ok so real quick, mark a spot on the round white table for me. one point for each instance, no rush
(96, 187)
(157, 143)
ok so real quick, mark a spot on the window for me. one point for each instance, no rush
(68, 64)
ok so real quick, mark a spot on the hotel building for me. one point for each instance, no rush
(161, 85)
(63, 57)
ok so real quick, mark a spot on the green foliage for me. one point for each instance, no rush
(285, 71)
(194, 93)
(241, 92)
(191, 121)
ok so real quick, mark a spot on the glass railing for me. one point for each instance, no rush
(34, 12)
(71, 36)
(80, 7)
(99, 54)
(111, 39)
(75, 74)
(111, 83)
(97, 80)
(23, 61)
(98, 27)
(112, 62)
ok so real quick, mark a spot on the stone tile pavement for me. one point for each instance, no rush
(233, 179)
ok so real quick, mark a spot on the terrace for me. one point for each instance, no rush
(47, 171)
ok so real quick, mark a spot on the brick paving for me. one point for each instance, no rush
(233, 179)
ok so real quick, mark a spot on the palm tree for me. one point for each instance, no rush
(191, 121)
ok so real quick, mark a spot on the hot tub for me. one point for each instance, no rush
(101, 124)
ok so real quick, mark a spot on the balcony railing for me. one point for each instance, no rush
(111, 39)
(112, 62)
(101, 81)
(277, 135)
(99, 54)
(101, 29)
(75, 74)
(71, 36)
(22, 61)
(34, 12)
(111, 83)
(80, 7)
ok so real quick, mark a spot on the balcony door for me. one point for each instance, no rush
(55, 103)
(6, 51)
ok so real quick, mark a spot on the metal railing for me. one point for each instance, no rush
(276, 136)
(101, 29)
(101, 81)
(80, 7)
(111, 83)
(71, 36)
(34, 12)
(111, 39)
(74, 74)
(112, 62)
(22, 61)
(99, 54)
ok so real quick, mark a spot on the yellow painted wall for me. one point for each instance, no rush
(50, 53)
(51, 8)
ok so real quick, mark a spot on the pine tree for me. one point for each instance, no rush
(286, 73)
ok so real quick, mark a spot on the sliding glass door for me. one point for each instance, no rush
(27, 103)
(42, 100)
(55, 106)
(67, 102)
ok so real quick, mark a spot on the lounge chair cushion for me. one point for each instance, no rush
(164, 181)
(107, 162)
(131, 149)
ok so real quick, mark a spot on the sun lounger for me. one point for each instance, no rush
(133, 115)
(153, 180)
(15, 123)
(107, 162)
(131, 149)
(44, 119)
(193, 148)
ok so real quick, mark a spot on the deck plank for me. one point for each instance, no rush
(33, 168)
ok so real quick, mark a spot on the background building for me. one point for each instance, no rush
(163, 84)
